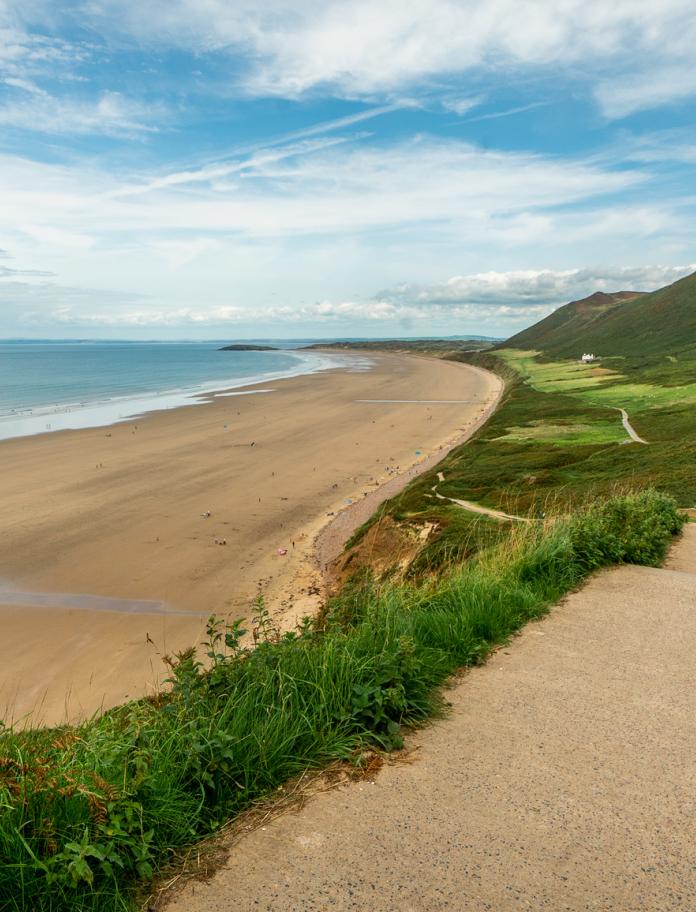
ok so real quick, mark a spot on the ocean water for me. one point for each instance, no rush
(51, 386)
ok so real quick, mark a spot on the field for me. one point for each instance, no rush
(556, 441)
(601, 385)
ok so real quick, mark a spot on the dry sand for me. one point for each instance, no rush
(563, 780)
(116, 513)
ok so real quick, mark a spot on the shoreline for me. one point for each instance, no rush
(328, 538)
(54, 418)
(333, 536)
(134, 530)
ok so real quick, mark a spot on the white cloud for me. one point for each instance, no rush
(307, 188)
(483, 300)
(625, 95)
(360, 48)
(111, 114)
(24, 54)
(212, 173)
(309, 221)
(637, 55)
(25, 84)
(8, 272)
(460, 106)
(508, 112)
(51, 302)
(517, 291)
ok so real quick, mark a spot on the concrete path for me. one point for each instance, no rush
(563, 780)
(630, 430)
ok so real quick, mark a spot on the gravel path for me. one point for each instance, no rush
(563, 780)
(477, 508)
(632, 433)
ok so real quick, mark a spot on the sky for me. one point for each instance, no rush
(201, 169)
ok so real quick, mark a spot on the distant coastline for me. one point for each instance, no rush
(246, 347)
(80, 385)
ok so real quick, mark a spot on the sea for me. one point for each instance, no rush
(52, 386)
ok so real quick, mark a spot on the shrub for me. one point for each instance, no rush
(89, 813)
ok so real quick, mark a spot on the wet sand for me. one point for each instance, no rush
(97, 523)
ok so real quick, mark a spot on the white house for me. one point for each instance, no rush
(588, 359)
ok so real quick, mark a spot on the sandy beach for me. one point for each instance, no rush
(108, 558)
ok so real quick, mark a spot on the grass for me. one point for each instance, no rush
(556, 376)
(649, 329)
(90, 814)
(568, 433)
(601, 385)
(440, 347)
(556, 441)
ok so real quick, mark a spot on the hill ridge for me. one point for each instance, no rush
(624, 323)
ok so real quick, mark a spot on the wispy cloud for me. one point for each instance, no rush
(634, 56)
(540, 288)
(212, 173)
(362, 47)
(25, 53)
(146, 164)
(110, 114)
(7, 272)
(657, 86)
(484, 298)
(267, 152)
(25, 84)
(508, 112)
(316, 187)
(461, 106)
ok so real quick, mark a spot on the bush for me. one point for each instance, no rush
(91, 812)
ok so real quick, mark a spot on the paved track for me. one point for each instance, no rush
(563, 780)
(630, 430)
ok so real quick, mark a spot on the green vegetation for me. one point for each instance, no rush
(570, 322)
(557, 438)
(441, 347)
(90, 814)
(604, 386)
(567, 433)
(550, 451)
(648, 329)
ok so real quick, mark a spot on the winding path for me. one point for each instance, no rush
(632, 433)
(499, 514)
(477, 508)
(562, 780)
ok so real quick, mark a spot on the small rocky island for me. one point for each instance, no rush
(242, 347)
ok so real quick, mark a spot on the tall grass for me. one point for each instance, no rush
(87, 814)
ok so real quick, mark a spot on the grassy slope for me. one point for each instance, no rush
(568, 321)
(441, 347)
(90, 814)
(545, 447)
(557, 437)
(648, 328)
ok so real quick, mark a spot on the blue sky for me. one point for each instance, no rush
(203, 169)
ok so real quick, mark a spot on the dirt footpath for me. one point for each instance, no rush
(563, 780)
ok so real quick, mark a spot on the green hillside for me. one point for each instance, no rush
(627, 324)
(558, 439)
(568, 321)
